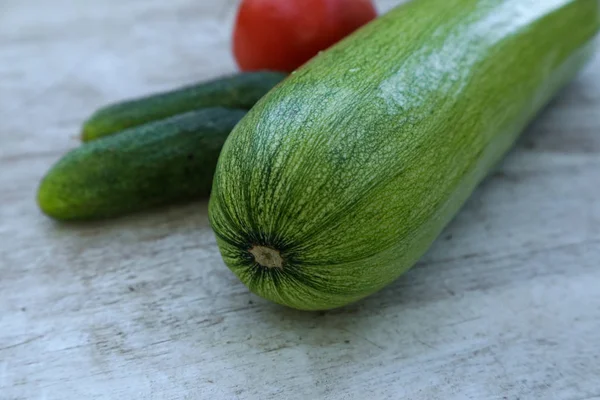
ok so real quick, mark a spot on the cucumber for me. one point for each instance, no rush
(240, 91)
(340, 179)
(159, 163)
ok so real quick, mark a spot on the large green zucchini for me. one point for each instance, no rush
(341, 178)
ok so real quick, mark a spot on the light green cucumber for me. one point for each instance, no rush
(341, 178)
(239, 91)
(159, 163)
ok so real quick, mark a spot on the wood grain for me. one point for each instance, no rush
(506, 305)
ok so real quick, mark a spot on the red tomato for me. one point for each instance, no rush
(282, 35)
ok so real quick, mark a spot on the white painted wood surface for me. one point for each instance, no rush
(506, 305)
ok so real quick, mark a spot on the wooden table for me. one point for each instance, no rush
(506, 305)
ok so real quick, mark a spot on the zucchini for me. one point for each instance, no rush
(340, 179)
(159, 163)
(240, 91)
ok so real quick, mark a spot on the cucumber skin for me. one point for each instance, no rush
(353, 166)
(240, 91)
(160, 163)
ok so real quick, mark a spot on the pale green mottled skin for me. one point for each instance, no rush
(354, 165)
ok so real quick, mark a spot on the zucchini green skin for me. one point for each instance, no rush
(163, 162)
(240, 91)
(348, 171)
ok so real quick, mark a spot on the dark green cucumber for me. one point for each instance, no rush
(163, 162)
(239, 91)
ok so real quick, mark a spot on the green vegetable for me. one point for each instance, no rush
(163, 162)
(339, 180)
(237, 91)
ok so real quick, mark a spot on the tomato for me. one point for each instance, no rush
(282, 35)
